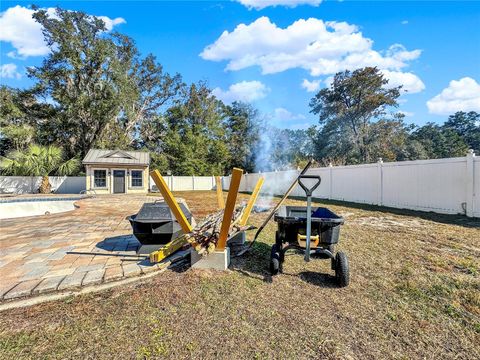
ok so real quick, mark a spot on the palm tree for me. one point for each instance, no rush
(38, 160)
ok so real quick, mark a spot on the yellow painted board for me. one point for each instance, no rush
(221, 202)
(168, 249)
(170, 200)
(251, 201)
(229, 207)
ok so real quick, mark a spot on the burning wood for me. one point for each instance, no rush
(204, 236)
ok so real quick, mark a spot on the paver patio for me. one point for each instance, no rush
(64, 251)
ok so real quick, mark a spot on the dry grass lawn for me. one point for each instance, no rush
(414, 293)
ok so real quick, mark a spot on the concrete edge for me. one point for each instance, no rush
(25, 302)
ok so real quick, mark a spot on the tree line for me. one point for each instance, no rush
(95, 90)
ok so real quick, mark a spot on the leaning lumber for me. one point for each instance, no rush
(203, 237)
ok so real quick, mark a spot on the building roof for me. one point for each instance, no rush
(114, 157)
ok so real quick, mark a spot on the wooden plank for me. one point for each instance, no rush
(229, 207)
(170, 200)
(220, 201)
(251, 201)
(168, 249)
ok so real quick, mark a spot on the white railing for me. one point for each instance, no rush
(449, 186)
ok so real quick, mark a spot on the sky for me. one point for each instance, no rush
(277, 54)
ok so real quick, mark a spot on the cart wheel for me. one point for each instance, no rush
(275, 260)
(278, 246)
(274, 266)
(341, 269)
(278, 250)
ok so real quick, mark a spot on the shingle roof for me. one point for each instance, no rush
(96, 156)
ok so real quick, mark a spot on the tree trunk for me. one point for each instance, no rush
(45, 187)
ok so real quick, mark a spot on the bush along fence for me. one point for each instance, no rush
(447, 186)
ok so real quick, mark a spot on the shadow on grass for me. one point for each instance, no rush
(319, 279)
(255, 264)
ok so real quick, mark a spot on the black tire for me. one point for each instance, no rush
(331, 248)
(341, 269)
(277, 248)
(276, 259)
(277, 237)
(274, 266)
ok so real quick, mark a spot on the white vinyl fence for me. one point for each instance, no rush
(449, 186)
(30, 184)
(75, 184)
(187, 183)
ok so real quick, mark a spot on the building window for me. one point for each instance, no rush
(100, 178)
(137, 178)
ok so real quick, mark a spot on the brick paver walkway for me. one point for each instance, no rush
(87, 246)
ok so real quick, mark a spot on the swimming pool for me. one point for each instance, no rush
(15, 208)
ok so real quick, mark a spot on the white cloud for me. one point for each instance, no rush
(261, 4)
(110, 23)
(9, 71)
(246, 91)
(328, 81)
(25, 34)
(407, 113)
(411, 83)
(460, 95)
(311, 86)
(281, 115)
(404, 22)
(321, 48)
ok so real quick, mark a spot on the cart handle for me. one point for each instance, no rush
(309, 191)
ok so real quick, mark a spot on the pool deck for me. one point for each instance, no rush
(66, 251)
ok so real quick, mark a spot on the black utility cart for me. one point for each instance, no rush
(312, 231)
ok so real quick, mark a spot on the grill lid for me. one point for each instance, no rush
(159, 212)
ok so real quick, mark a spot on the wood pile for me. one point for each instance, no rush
(204, 236)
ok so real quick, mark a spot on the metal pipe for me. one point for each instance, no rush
(309, 227)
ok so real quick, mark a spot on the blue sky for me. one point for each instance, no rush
(436, 56)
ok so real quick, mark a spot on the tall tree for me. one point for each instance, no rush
(281, 149)
(22, 118)
(243, 135)
(351, 103)
(439, 142)
(154, 90)
(85, 76)
(191, 135)
(467, 126)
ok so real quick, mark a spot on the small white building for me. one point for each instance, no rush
(117, 171)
